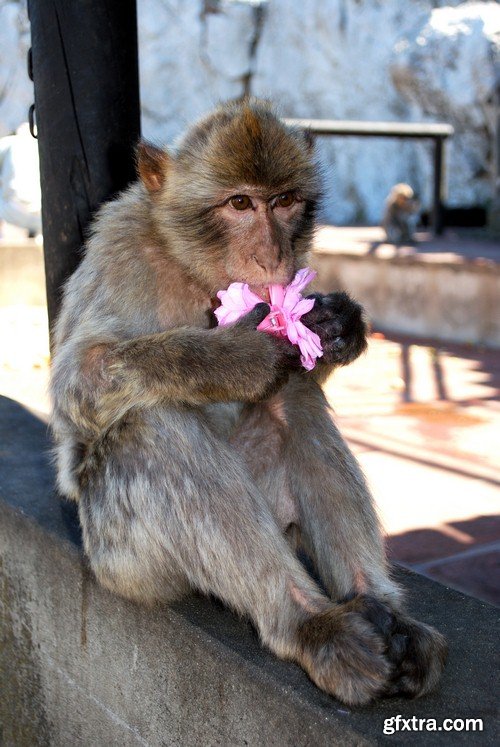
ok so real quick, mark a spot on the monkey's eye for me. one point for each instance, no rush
(285, 200)
(240, 202)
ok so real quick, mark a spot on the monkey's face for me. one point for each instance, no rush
(258, 230)
(237, 202)
(403, 202)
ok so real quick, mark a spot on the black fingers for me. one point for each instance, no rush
(255, 316)
(339, 322)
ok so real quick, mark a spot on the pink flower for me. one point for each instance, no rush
(287, 306)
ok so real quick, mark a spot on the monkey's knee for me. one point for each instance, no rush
(122, 574)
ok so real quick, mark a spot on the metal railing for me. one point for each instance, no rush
(438, 132)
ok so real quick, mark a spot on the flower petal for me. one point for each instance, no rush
(310, 346)
(302, 307)
(250, 299)
(276, 295)
(302, 278)
(292, 332)
(232, 298)
(287, 306)
(227, 316)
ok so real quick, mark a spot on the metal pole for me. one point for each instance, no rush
(494, 211)
(437, 211)
(85, 71)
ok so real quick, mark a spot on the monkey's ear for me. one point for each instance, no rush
(152, 165)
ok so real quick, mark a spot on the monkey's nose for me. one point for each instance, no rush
(268, 263)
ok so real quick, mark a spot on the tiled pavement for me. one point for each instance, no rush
(429, 446)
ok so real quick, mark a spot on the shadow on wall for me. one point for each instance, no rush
(463, 554)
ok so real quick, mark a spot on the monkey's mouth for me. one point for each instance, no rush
(262, 291)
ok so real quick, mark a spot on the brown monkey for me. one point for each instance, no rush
(400, 214)
(199, 454)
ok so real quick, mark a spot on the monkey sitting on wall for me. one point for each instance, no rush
(400, 216)
(200, 455)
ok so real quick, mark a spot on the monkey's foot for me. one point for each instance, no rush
(418, 654)
(416, 651)
(344, 654)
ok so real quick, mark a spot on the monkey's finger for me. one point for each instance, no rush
(318, 313)
(318, 297)
(329, 328)
(254, 317)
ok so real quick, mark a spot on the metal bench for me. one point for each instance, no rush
(438, 132)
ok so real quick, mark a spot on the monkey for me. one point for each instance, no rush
(400, 213)
(203, 457)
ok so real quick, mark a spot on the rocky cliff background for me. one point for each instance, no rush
(419, 60)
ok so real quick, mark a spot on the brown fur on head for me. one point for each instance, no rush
(402, 195)
(241, 151)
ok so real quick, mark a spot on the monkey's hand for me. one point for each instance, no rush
(275, 357)
(339, 322)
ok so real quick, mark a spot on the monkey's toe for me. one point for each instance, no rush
(379, 614)
(416, 651)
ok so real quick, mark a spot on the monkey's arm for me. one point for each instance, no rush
(184, 366)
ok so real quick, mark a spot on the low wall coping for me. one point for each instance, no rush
(79, 665)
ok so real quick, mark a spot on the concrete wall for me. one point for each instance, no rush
(455, 301)
(79, 666)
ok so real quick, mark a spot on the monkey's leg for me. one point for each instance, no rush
(309, 477)
(340, 530)
(189, 515)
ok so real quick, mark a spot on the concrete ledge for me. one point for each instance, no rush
(81, 666)
(438, 295)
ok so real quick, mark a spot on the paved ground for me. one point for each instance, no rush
(424, 420)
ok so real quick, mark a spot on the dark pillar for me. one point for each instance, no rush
(494, 209)
(85, 70)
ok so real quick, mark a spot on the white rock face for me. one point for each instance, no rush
(16, 89)
(400, 60)
(331, 60)
(193, 54)
(448, 68)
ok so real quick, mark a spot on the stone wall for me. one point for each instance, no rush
(80, 666)
(343, 59)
